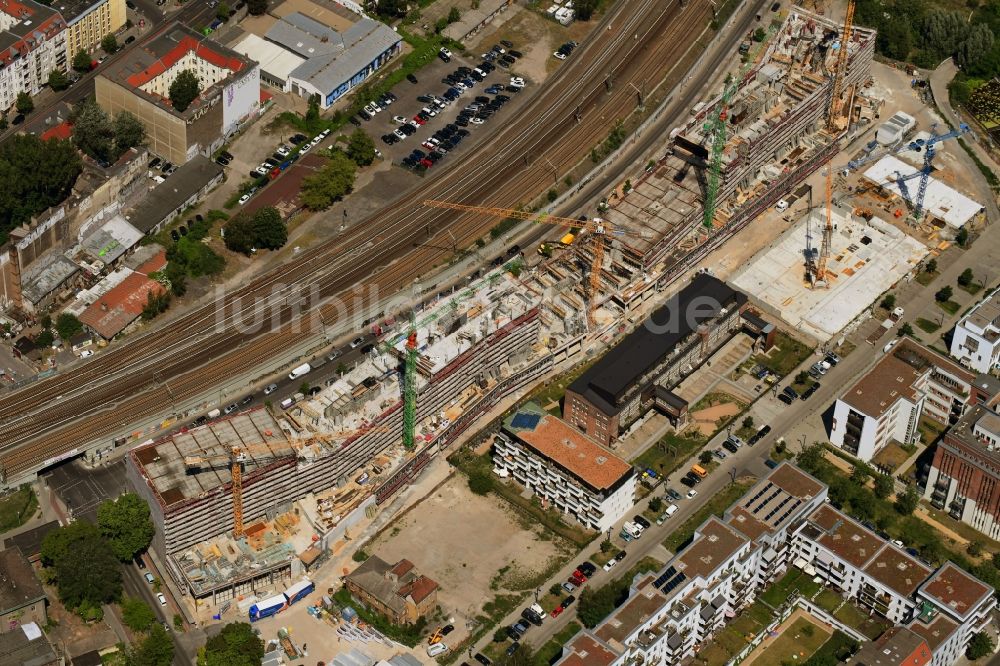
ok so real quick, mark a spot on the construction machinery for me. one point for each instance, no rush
(715, 130)
(598, 229)
(236, 456)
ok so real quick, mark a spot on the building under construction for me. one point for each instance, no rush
(777, 136)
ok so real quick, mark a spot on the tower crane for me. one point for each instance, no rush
(598, 228)
(237, 455)
(410, 387)
(715, 129)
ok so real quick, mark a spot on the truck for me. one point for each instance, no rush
(300, 371)
(287, 645)
(267, 607)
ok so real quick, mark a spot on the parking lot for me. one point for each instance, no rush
(475, 548)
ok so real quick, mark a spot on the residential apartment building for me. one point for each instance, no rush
(638, 373)
(896, 647)
(884, 405)
(396, 591)
(32, 44)
(976, 342)
(88, 21)
(964, 477)
(22, 599)
(564, 467)
(783, 521)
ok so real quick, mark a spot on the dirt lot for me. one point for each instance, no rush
(474, 547)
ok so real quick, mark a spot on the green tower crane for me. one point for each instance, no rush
(410, 387)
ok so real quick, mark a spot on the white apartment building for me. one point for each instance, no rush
(32, 44)
(784, 520)
(565, 467)
(884, 405)
(976, 342)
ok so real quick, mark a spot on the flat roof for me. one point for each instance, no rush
(273, 59)
(898, 571)
(19, 585)
(714, 543)
(773, 502)
(167, 197)
(898, 646)
(887, 382)
(917, 355)
(45, 276)
(26, 645)
(935, 632)
(585, 650)
(941, 201)
(845, 538)
(956, 590)
(642, 605)
(633, 357)
(111, 240)
(570, 449)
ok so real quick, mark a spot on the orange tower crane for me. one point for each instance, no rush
(237, 455)
(599, 229)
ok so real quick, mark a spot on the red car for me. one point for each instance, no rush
(418, 120)
(577, 578)
(556, 611)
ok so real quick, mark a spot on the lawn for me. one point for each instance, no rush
(734, 638)
(17, 507)
(548, 652)
(717, 505)
(951, 307)
(554, 391)
(892, 456)
(929, 430)
(828, 600)
(795, 643)
(785, 356)
(853, 616)
(777, 593)
(971, 289)
(927, 326)
(925, 278)
(671, 452)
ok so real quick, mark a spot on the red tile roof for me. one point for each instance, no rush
(123, 304)
(186, 45)
(61, 131)
(419, 589)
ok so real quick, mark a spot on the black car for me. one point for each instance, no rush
(354, 121)
(411, 78)
(271, 162)
(447, 629)
(155, 162)
(790, 392)
(129, 39)
(512, 649)
(513, 633)
(763, 432)
(462, 121)
(729, 446)
(784, 398)
(513, 89)
(687, 482)
(694, 478)
(425, 99)
(507, 43)
(588, 569)
(532, 617)
(364, 115)
(482, 659)
(809, 391)
(222, 160)
(642, 521)
(515, 54)
(174, 236)
(296, 139)
(673, 494)
(567, 602)
(246, 401)
(620, 555)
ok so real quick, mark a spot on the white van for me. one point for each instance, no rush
(300, 371)
(436, 650)
(671, 510)
(287, 402)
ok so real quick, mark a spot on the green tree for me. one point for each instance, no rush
(269, 229)
(907, 501)
(67, 325)
(888, 302)
(125, 523)
(155, 304)
(606, 547)
(239, 234)
(454, 15)
(174, 272)
(931, 266)
(58, 80)
(980, 645)
(222, 11)
(256, 7)
(962, 237)
(655, 504)
(801, 377)
(84, 566)
(966, 278)
(759, 35)
(45, 338)
(944, 294)
(975, 548)
(500, 635)
(361, 148)
(136, 614)
(585, 9)
(184, 89)
(330, 183)
(905, 329)
(748, 422)
(861, 472)
(129, 132)
(109, 44)
(595, 604)
(312, 111)
(811, 458)
(235, 645)
(93, 132)
(156, 649)
(552, 195)
(480, 483)
(82, 61)
(24, 103)
(705, 457)
(36, 175)
(883, 486)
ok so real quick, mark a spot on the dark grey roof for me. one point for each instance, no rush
(671, 398)
(608, 379)
(72, 10)
(15, 648)
(19, 587)
(164, 199)
(756, 321)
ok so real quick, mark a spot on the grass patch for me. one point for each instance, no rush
(926, 325)
(716, 506)
(971, 289)
(794, 580)
(837, 649)
(17, 507)
(671, 452)
(556, 389)
(925, 277)
(951, 307)
(988, 174)
(854, 617)
(785, 356)
(929, 430)
(828, 600)
(553, 648)
(891, 456)
(795, 643)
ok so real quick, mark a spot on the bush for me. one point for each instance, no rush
(944, 294)
(705, 457)
(360, 555)
(981, 645)
(888, 302)
(67, 325)
(966, 277)
(655, 504)
(480, 483)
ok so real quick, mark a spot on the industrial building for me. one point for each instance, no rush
(565, 468)
(32, 44)
(184, 188)
(783, 521)
(963, 478)
(140, 84)
(638, 373)
(89, 21)
(976, 341)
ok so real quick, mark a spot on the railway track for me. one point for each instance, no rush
(176, 362)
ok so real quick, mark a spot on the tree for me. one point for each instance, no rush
(905, 329)
(975, 50)
(155, 304)
(136, 614)
(607, 547)
(312, 111)
(655, 504)
(36, 175)
(45, 338)
(500, 635)
(524, 656)
(585, 9)
(801, 377)
(944, 294)
(129, 132)
(269, 229)
(975, 548)
(222, 12)
(555, 589)
(174, 272)
(256, 7)
(596, 604)
(239, 234)
(883, 486)
(480, 483)
(156, 649)
(811, 458)
(85, 568)
(931, 266)
(907, 501)
(454, 15)
(860, 473)
(184, 89)
(109, 44)
(24, 103)
(966, 277)
(705, 457)
(361, 148)
(235, 645)
(759, 35)
(82, 61)
(125, 523)
(330, 183)
(980, 645)
(888, 302)
(67, 325)
(58, 80)
(962, 237)
(748, 422)
(93, 133)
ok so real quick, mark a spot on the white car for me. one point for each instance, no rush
(611, 564)
(560, 55)
(262, 170)
(245, 198)
(692, 493)
(370, 108)
(270, 388)
(86, 353)
(325, 133)
(162, 599)
(476, 121)
(305, 148)
(517, 81)
(400, 134)
(283, 151)
(445, 52)
(400, 119)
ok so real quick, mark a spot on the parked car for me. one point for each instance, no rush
(482, 659)
(149, 578)
(673, 494)
(270, 388)
(642, 521)
(567, 602)
(568, 586)
(162, 599)
(692, 493)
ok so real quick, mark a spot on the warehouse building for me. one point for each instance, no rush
(184, 188)
(564, 467)
(638, 373)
